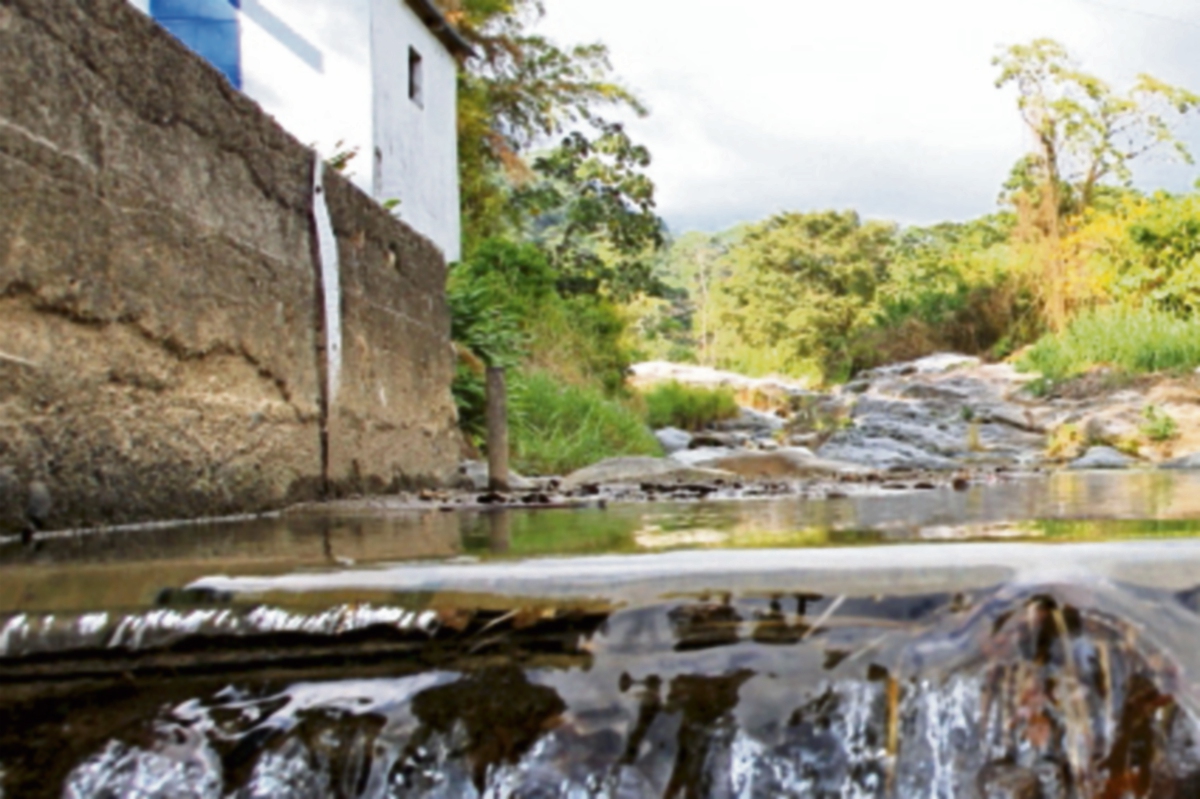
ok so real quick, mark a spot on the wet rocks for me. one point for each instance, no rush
(752, 422)
(947, 413)
(883, 453)
(672, 439)
(1187, 462)
(940, 413)
(636, 470)
(473, 476)
(1102, 458)
(793, 463)
(703, 455)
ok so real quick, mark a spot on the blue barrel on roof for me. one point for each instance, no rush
(209, 27)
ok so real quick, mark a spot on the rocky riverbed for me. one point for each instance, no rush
(942, 419)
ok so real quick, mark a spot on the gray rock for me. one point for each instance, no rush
(473, 476)
(1187, 462)
(707, 439)
(752, 421)
(673, 439)
(1102, 458)
(893, 408)
(883, 454)
(793, 463)
(948, 440)
(701, 455)
(1011, 414)
(640, 470)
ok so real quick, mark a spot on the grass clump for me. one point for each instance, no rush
(1159, 426)
(1136, 340)
(557, 428)
(674, 404)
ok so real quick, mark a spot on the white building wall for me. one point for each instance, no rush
(334, 73)
(308, 64)
(416, 152)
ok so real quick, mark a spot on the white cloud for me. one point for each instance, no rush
(884, 106)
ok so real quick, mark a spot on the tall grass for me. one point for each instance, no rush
(557, 428)
(1134, 340)
(674, 404)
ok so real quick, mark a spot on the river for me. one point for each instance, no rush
(1033, 637)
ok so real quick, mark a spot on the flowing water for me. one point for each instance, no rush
(1032, 638)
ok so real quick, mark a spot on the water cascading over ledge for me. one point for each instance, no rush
(1050, 690)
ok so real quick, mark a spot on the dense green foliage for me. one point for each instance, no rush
(506, 311)
(674, 404)
(559, 227)
(558, 428)
(822, 295)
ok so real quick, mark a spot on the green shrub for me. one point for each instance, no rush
(1138, 341)
(556, 428)
(1159, 426)
(688, 407)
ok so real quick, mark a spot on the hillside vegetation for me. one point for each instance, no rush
(570, 275)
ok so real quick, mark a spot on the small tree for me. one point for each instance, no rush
(1087, 135)
(1086, 132)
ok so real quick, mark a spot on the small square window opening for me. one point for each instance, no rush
(416, 78)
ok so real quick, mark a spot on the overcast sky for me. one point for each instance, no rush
(886, 106)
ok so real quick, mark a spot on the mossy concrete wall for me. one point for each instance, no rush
(161, 343)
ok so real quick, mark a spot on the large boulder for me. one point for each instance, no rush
(1102, 458)
(660, 471)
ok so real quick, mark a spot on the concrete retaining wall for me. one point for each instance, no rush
(160, 325)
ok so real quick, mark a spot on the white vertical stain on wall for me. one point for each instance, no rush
(331, 282)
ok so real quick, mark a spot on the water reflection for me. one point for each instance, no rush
(125, 676)
(129, 569)
(492, 718)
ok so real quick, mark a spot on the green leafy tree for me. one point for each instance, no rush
(1086, 132)
(802, 286)
(520, 90)
(593, 210)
